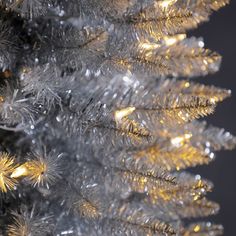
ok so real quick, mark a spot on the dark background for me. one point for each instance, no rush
(220, 35)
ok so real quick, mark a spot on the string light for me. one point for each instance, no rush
(171, 40)
(149, 46)
(180, 140)
(197, 228)
(166, 3)
(39, 172)
(120, 114)
(1, 99)
(20, 171)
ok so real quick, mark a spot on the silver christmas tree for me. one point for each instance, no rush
(96, 130)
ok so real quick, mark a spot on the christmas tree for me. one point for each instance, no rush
(100, 121)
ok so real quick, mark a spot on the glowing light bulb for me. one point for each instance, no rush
(19, 172)
(120, 114)
(213, 100)
(149, 46)
(166, 3)
(171, 40)
(186, 85)
(197, 228)
(1, 99)
(180, 140)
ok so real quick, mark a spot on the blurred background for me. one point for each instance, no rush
(220, 35)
